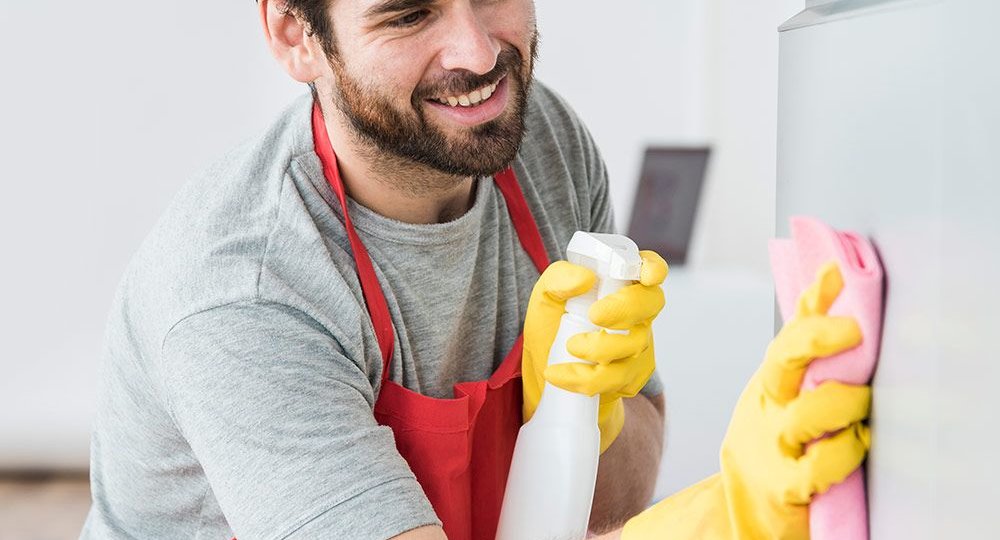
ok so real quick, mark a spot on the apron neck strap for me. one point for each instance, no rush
(521, 217)
(378, 309)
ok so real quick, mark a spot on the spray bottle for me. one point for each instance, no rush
(550, 486)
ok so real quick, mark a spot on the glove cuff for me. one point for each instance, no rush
(697, 512)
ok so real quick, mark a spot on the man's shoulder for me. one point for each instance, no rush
(211, 243)
(252, 173)
(560, 169)
(238, 191)
(548, 112)
(554, 133)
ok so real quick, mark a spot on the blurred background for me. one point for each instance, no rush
(107, 109)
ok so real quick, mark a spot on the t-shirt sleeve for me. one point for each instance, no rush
(281, 423)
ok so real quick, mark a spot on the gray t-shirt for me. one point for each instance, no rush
(240, 368)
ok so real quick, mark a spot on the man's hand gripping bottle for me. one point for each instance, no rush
(550, 486)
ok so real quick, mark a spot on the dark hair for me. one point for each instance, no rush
(313, 13)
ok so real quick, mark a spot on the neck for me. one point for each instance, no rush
(393, 187)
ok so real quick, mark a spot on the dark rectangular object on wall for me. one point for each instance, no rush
(666, 200)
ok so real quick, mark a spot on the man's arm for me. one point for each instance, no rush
(281, 421)
(626, 474)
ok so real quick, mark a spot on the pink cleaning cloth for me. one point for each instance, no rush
(842, 512)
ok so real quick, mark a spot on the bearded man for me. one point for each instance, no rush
(322, 337)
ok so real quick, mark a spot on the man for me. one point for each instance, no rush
(320, 337)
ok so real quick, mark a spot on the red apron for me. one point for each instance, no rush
(459, 449)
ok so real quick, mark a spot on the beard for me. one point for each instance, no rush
(482, 150)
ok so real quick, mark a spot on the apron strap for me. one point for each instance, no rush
(378, 309)
(521, 217)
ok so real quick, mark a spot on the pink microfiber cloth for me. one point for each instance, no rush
(842, 512)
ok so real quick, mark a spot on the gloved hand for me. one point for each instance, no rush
(622, 363)
(768, 472)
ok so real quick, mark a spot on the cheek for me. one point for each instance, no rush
(393, 72)
(512, 21)
(388, 68)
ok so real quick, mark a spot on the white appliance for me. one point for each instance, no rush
(889, 124)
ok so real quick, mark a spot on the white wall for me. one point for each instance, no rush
(738, 206)
(684, 72)
(635, 73)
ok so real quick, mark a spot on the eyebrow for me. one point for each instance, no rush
(395, 6)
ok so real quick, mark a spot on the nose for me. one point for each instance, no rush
(469, 44)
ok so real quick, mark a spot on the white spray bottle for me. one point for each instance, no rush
(550, 486)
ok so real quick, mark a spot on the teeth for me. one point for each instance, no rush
(472, 98)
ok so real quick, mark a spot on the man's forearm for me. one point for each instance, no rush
(627, 472)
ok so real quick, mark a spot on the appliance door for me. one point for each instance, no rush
(889, 124)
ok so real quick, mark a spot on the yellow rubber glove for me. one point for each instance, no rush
(622, 363)
(768, 474)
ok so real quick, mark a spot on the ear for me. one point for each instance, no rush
(288, 38)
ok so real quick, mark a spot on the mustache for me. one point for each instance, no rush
(455, 83)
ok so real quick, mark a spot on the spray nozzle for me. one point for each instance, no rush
(611, 256)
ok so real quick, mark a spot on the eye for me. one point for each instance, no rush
(410, 19)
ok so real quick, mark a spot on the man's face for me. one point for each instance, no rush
(442, 83)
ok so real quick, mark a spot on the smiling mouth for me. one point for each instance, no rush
(471, 99)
